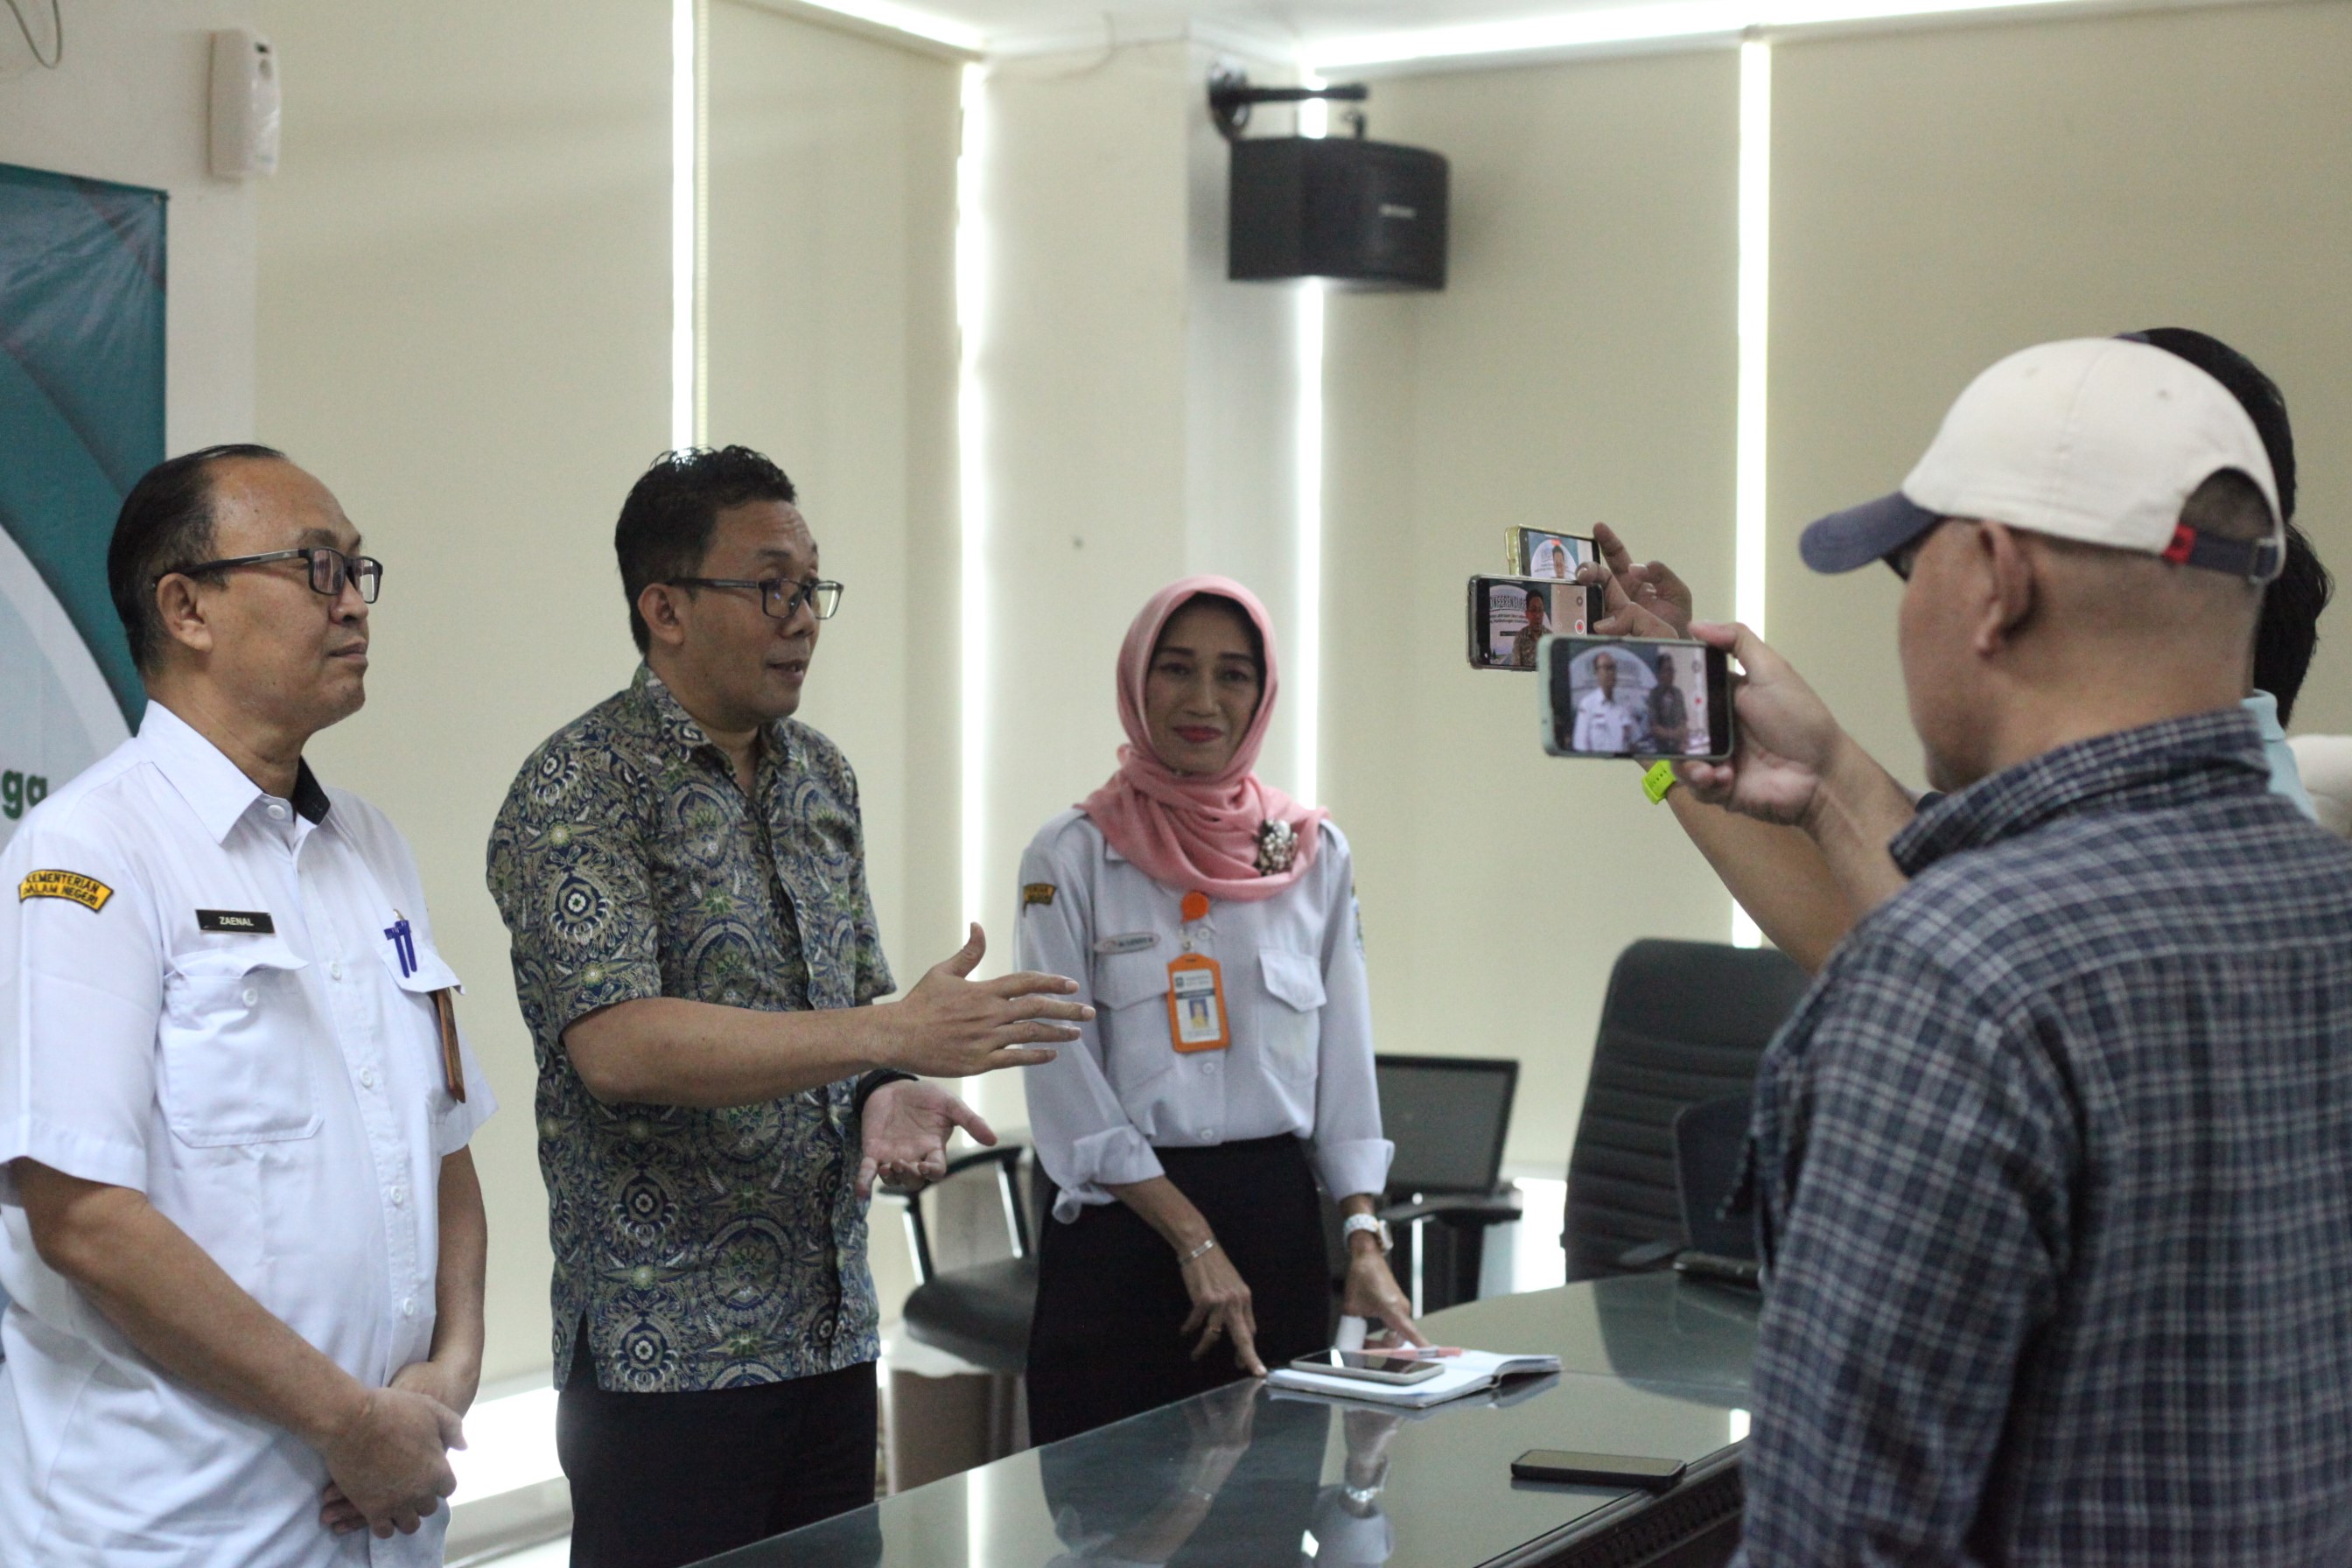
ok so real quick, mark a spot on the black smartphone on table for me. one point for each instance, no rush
(1634, 697)
(1578, 1469)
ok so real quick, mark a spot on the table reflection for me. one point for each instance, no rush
(1249, 1477)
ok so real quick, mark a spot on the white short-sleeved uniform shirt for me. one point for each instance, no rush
(198, 1001)
(1297, 1007)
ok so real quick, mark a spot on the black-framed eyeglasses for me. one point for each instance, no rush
(780, 597)
(329, 569)
(1903, 557)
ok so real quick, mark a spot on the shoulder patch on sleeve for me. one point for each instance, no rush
(87, 891)
(1035, 893)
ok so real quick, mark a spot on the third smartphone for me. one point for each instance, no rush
(1634, 697)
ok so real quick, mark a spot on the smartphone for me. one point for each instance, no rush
(1372, 1366)
(1596, 1469)
(1634, 697)
(1509, 615)
(1540, 552)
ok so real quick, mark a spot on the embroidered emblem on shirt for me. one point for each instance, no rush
(248, 922)
(1036, 893)
(72, 886)
(1277, 847)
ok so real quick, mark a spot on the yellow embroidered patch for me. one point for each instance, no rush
(1036, 893)
(87, 891)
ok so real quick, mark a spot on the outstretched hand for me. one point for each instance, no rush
(905, 1134)
(950, 1026)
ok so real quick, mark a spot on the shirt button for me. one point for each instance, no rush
(277, 811)
(251, 995)
(1209, 1134)
(335, 970)
(400, 1197)
(408, 1306)
(367, 1077)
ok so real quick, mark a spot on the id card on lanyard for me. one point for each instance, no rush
(1196, 991)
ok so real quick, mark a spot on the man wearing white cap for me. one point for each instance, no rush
(2051, 1165)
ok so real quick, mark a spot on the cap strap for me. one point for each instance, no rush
(2257, 560)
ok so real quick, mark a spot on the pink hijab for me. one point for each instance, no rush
(1193, 832)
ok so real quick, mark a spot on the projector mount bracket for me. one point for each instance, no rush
(1230, 96)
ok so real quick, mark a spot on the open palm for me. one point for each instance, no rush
(905, 1134)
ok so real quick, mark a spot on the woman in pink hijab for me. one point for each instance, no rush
(1210, 920)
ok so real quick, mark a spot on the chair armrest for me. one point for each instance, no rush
(1462, 1208)
(1006, 1154)
(1649, 1255)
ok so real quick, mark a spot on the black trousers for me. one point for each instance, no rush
(1104, 1344)
(662, 1480)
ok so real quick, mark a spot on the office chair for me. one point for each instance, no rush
(1684, 1023)
(1448, 1117)
(981, 1313)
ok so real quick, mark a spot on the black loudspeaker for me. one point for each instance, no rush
(1369, 212)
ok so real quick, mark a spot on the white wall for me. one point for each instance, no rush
(1578, 368)
(832, 348)
(129, 102)
(1942, 197)
(465, 331)
(1137, 418)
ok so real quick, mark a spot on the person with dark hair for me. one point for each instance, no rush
(682, 870)
(2076, 1098)
(1213, 919)
(245, 1275)
(1538, 626)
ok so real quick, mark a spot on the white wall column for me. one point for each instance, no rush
(1136, 420)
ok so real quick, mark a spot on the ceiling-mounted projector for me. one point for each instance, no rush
(1371, 214)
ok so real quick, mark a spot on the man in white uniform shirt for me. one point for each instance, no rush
(1603, 722)
(240, 1228)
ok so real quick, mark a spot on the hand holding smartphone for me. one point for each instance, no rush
(1635, 696)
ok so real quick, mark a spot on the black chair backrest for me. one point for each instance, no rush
(1684, 1023)
(1448, 1117)
(1710, 1152)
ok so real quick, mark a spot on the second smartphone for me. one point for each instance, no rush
(1634, 697)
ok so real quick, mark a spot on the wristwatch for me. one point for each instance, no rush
(1379, 1228)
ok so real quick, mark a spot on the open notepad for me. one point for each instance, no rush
(1464, 1373)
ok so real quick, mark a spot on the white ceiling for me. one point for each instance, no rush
(1354, 35)
(1307, 21)
(1287, 28)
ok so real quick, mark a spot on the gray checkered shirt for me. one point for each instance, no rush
(2055, 1166)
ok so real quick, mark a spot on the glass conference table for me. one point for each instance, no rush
(1650, 1364)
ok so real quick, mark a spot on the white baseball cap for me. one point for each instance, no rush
(2096, 439)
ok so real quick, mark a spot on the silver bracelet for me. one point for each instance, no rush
(1201, 1251)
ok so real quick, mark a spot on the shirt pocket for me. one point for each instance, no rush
(412, 1024)
(1290, 1032)
(1130, 993)
(235, 1044)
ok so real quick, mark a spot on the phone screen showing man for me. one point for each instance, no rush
(1635, 698)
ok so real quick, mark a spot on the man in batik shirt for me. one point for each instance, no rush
(682, 869)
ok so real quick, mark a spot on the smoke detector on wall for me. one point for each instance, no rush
(245, 105)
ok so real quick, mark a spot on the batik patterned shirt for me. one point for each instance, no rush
(2056, 1163)
(701, 1248)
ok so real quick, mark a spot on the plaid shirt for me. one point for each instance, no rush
(2056, 1172)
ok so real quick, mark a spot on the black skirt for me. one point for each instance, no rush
(1104, 1344)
